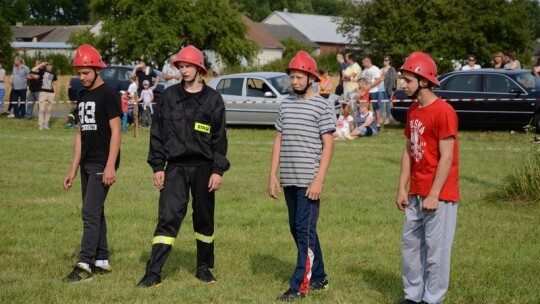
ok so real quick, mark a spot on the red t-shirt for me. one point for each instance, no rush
(425, 127)
(125, 104)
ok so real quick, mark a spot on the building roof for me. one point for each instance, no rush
(40, 45)
(41, 33)
(281, 32)
(317, 28)
(259, 35)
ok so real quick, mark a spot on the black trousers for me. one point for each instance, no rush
(173, 202)
(94, 240)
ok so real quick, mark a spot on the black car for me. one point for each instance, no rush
(116, 76)
(485, 98)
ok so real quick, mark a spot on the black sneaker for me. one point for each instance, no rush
(319, 286)
(101, 269)
(79, 274)
(291, 296)
(149, 280)
(406, 301)
(205, 275)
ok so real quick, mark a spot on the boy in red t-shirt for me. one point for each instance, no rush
(429, 165)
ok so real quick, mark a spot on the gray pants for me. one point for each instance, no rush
(426, 247)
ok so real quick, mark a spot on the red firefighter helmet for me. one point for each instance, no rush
(191, 54)
(87, 56)
(423, 65)
(302, 61)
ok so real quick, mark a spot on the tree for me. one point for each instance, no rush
(6, 52)
(50, 12)
(445, 29)
(154, 30)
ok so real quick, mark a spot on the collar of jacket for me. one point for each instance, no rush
(183, 96)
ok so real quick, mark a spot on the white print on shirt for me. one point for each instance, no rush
(87, 115)
(47, 81)
(417, 147)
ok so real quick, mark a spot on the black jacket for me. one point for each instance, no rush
(189, 130)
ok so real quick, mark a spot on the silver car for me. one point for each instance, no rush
(255, 98)
(252, 98)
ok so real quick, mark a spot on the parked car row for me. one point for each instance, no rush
(485, 98)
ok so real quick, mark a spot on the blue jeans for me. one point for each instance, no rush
(303, 215)
(124, 122)
(2, 93)
(18, 110)
(33, 98)
(386, 103)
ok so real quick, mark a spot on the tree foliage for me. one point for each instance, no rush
(6, 52)
(446, 29)
(154, 30)
(50, 12)
(260, 9)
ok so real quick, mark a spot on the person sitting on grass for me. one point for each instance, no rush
(345, 122)
(366, 124)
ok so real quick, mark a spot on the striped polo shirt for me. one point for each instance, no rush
(302, 122)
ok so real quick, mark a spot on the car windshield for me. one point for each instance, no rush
(282, 84)
(529, 82)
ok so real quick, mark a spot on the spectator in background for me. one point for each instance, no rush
(2, 85)
(366, 124)
(170, 73)
(372, 74)
(132, 90)
(147, 97)
(512, 63)
(325, 85)
(143, 73)
(498, 61)
(34, 86)
(350, 77)
(18, 87)
(49, 85)
(471, 64)
(536, 68)
(390, 85)
(342, 67)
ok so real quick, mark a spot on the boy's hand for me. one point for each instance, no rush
(430, 203)
(215, 182)
(68, 180)
(402, 200)
(109, 176)
(273, 185)
(314, 191)
(159, 179)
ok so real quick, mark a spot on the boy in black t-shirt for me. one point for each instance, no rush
(97, 152)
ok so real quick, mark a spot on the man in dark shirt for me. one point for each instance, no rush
(143, 72)
(34, 85)
(97, 152)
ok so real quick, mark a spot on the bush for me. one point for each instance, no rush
(523, 184)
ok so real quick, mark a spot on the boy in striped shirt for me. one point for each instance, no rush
(303, 148)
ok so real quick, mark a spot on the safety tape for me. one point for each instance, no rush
(161, 239)
(476, 99)
(204, 238)
(51, 101)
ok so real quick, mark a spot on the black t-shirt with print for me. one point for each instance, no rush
(96, 107)
(47, 80)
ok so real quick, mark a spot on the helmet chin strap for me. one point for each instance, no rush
(304, 90)
(95, 78)
(417, 91)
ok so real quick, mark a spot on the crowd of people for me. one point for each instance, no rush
(28, 87)
(499, 60)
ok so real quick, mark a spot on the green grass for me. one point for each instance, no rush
(496, 253)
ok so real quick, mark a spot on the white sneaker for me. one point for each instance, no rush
(45, 127)
(11, 116)
(41, 127)
(348, 136)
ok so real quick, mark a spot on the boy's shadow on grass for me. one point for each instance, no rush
(265, 264)
(387, 284)
(186, 259)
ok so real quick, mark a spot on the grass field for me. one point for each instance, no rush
(496, 253)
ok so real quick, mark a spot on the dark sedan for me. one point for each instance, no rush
(486, 98)
(116, 76)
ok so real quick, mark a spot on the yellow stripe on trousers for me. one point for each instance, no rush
(161, 239)
(203, 238)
